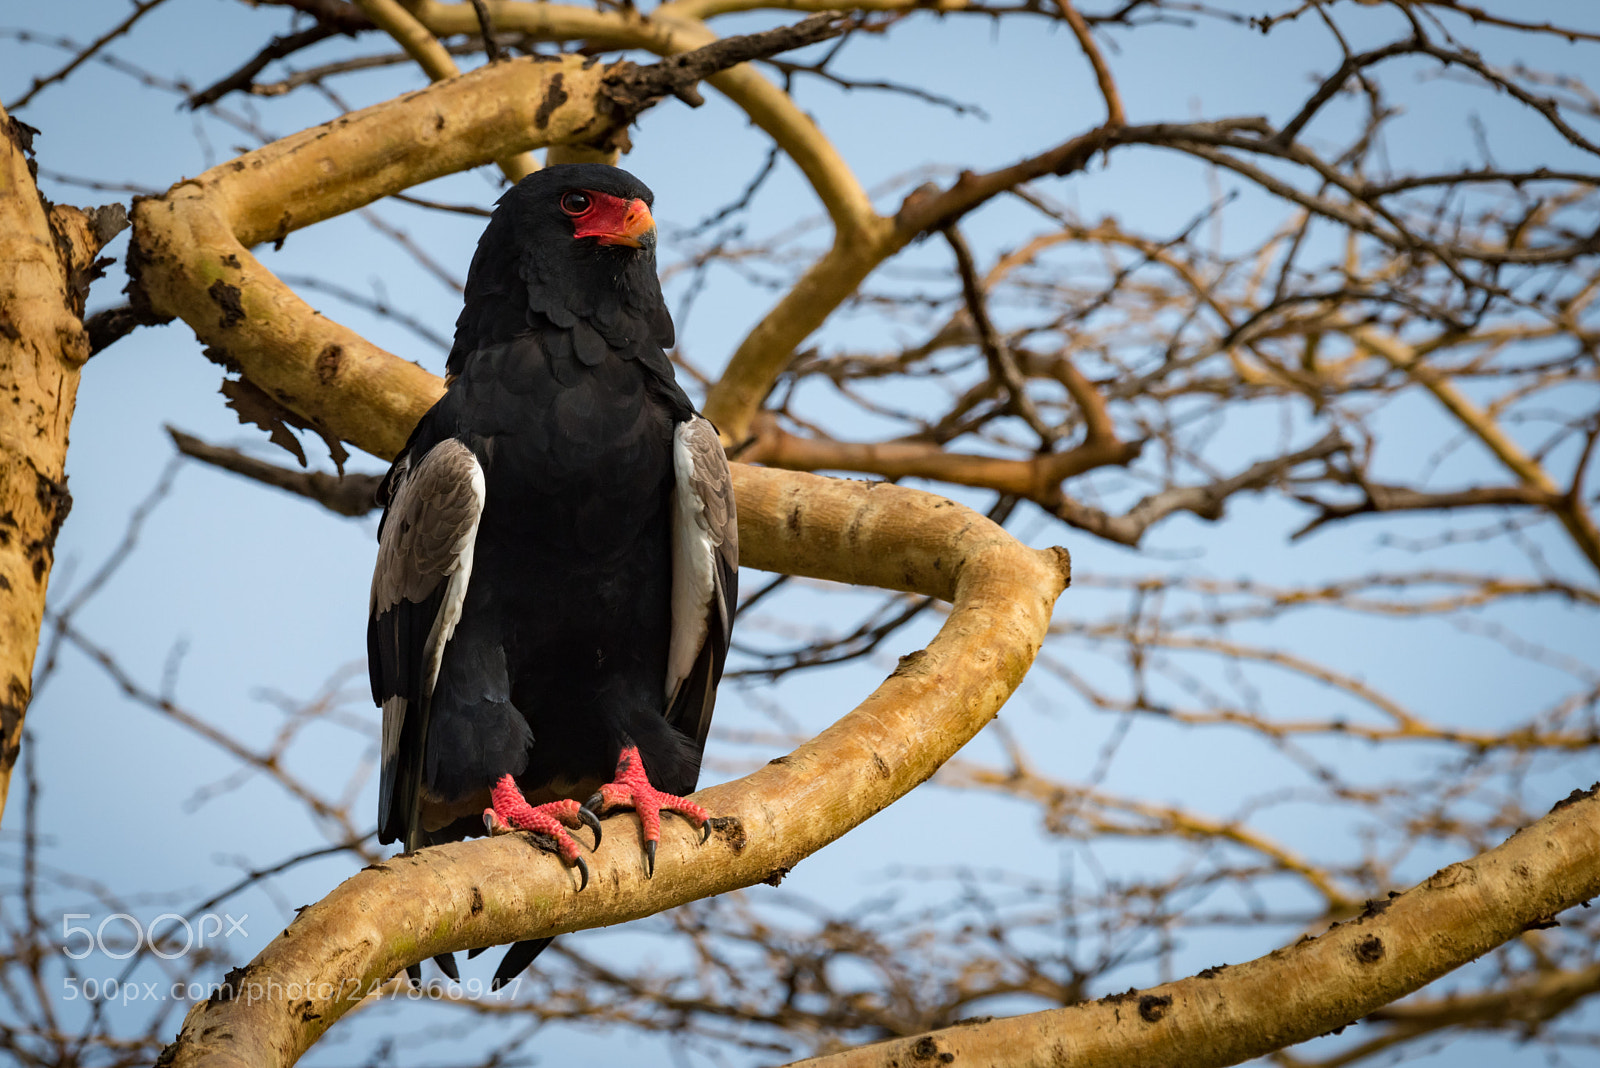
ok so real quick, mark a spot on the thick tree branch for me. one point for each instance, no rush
(493, 891)
(49, 255)
(422, 46)
(190, 253)
(667, 32)
(1227, 1015)
(192, 259)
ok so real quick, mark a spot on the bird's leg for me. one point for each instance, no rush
(511, 812)
(632, 789)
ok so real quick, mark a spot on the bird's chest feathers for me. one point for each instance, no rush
(573, 453)
(545, 419)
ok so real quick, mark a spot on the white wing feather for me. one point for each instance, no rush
(443, 493)
(694, 548)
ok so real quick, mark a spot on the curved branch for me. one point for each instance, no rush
(489, 892)
(666, 33)
(190, 259)
(735, 399)
(189, 256)
(1228, 1015)
(435, 62)
(1115, 115)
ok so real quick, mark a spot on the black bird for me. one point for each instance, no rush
(558, 558)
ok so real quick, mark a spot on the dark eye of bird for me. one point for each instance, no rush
(575, 203)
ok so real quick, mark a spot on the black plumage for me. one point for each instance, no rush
(558, 556)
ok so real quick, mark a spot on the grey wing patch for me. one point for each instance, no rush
(429, 527)
(425, 551)
(705, 575)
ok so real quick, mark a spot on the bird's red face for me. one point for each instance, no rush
(611, 220)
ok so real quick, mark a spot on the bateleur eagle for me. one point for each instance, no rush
(558, 558)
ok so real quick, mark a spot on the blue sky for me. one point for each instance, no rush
(264, 595)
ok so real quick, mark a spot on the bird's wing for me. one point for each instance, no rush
(425, 547)
(705, 575)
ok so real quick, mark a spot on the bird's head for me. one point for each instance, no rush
(586, 207)
(567, 243)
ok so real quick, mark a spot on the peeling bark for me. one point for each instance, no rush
(49, 252)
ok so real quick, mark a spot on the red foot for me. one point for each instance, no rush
(632, 789)
(511, 811)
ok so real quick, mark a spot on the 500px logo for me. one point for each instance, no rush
(92, 940)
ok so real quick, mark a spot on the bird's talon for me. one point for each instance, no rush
(590, 820)
(650, 859)
(705, 832)
(583, 871)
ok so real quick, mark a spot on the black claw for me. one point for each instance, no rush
(705, 832)
(516, 961)
(591, 821)
(583, 869)
(594, 803)
(650, 860)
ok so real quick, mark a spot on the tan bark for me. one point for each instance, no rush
(668, 31)
(190, 248)
(190, 245)
(191, 257)
(49, 253)
(493, 891)
(435, 62)
(1228, 1015)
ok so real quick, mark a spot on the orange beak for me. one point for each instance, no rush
(637, 227)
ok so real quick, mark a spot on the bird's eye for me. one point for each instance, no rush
(575, 203)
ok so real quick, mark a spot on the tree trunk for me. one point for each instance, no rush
(49, 252)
